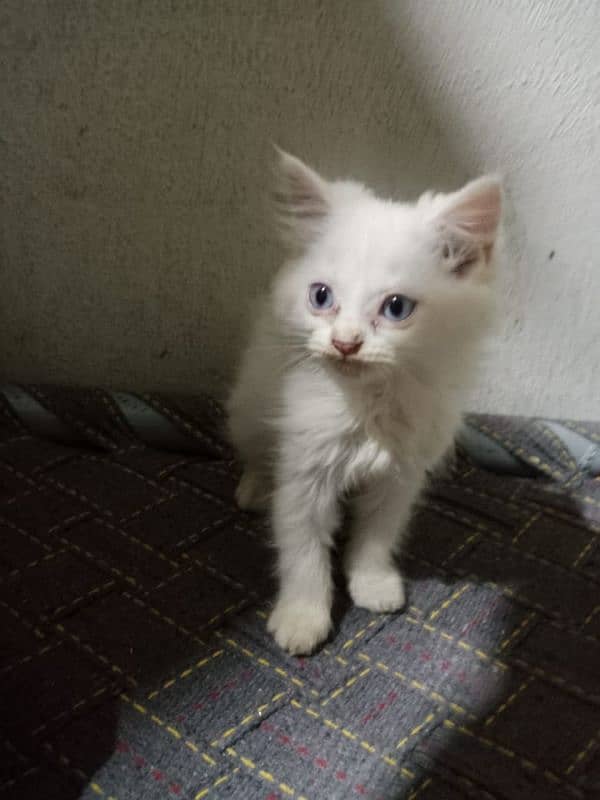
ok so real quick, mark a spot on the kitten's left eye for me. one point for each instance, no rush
(320, 296)
(397, 307)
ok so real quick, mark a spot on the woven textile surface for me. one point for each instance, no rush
(135, 662)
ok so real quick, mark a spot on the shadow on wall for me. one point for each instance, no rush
(135, 154)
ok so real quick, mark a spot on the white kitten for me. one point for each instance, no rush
(353, 382)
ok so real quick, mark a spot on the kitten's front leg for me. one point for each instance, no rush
(304, 518)
(380, 516)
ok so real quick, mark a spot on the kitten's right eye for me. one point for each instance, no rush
(320, 296)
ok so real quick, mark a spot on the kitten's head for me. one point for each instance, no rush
(375, 286)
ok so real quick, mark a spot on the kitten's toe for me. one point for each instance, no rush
(380, 590)
(250, 494)
(299, 627)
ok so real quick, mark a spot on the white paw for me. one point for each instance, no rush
(299, 627)
(378, 590)
(250, 494)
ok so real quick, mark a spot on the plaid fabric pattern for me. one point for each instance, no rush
(133, 595)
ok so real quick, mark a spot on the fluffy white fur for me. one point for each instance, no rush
(315, 428)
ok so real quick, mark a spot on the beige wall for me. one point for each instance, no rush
(135, 138)
(517, 83)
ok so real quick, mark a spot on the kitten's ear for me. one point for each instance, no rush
(468, 221)
(301, 200)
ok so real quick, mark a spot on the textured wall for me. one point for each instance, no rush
(134, 142)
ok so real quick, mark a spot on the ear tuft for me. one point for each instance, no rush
(301, 200)
(473, 213)
(467, 223)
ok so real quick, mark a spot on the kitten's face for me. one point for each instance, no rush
(378, 286)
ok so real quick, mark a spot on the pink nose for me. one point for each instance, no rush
(346, 348)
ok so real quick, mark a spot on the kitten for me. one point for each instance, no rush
(352, 385)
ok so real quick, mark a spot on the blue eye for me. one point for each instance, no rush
(397, 307)
(320, 296)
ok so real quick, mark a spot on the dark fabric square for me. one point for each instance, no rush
(134, 636)
(588, 559)
(44, 510)
(436, 538)
(111, 489)
(435, 788)
(20, 638)
(17, 549)
(592, 623)
(220, 478)
(12, 485)
(198, 600)
(175, 482)
(236, 553)
(35, 455)
(61, 584)
(10, 427)
(44, 781)
(137, 562)
(487, 767)
(178, 522)
(550, 537)
(486, 495)
(584, 769)
(154, 464)
(564, 655)
(12, 765)
(42, 694)
(529, 726)
(559, 592)
(88, 741)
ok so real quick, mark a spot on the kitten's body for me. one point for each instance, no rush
(314, 427)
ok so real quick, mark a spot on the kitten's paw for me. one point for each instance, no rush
(377, 590)
(250, 494)
(299, 627)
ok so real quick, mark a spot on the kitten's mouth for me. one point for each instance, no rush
(347, 366)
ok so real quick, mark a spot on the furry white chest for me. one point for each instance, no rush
(348, 435)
